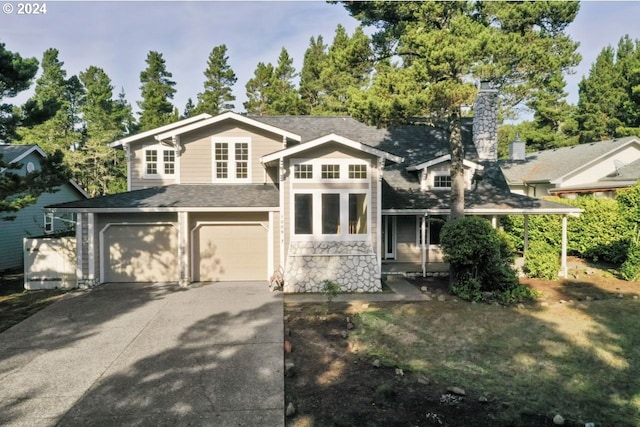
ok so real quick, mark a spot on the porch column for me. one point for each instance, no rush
(184, 258)
(563, 255)
(423, 247)
(494, 221)
(91, 248)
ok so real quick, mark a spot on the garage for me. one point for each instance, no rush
(140, 253)
(230, 252)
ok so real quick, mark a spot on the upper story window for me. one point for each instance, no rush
(231, 159)
(159, 162)
(302, 171)
(330, 171)
(442, 180)
(342, 170)
(357, 171)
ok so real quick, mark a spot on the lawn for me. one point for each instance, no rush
(576, 355)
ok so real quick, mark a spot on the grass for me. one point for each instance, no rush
(580, 360)
(16, 304)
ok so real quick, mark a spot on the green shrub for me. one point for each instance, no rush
(542, 261)
(480, 257)
(630, 269)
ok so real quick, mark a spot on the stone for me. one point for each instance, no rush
(344, 334)
(422, 379)
(291, 410)
(562, 301)
(456, 390)
(399, 372)
(424, 289)
(520, 306)
(558, 420)
(588, 298)
(287, 332)
(483, 399)
(350, 326)
(544, 304)
(365, 305)
(428, 298)
(620, 296)
(442, 298)
(635, 297)
(376, 363)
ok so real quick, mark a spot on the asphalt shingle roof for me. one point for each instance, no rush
(184, 196)
(549, 165)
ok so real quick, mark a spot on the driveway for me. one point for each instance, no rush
(148, 355)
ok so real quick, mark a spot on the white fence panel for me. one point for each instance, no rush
(50, 263)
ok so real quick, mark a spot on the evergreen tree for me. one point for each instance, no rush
(16, 75)
(157, 91)
(445, 45)
(283, 93)
(258, 90)
(217, 95)
(189, 109)
(310, 85)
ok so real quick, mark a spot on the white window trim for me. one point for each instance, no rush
(317, 216)
(231, 162)
(48, 223)
(317, 170)
(432, 180)
(160, 149)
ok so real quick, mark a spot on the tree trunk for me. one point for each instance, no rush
(457, 179)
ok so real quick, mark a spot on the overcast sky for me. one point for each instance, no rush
(117, 35)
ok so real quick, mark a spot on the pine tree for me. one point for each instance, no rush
(310, 85)
(157, 91)
(16, 75)
(258, 90)
(218, 87)
(283, 93)
(189, 109)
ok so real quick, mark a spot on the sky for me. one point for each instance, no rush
(117, 36)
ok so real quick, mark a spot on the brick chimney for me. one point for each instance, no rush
(485, 122)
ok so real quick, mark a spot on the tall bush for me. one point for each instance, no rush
(542, 261)
(480, 256)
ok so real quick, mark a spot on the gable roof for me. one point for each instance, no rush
(177, 197)
(15, 153)
(155, 131)
(442, 159)
(327, 139)
(554, 164)
(229, 115)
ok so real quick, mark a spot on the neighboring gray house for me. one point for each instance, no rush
(599, 168)
(234, 197)
(31, 221)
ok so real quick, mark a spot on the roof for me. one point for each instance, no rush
(155, 131)
(17, 152)
(553, 164)
(177, 197)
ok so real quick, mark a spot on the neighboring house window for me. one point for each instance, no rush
(330, 171)
(159, 162)
(303, 171)
(231, 159)
(48, 223)
(442, 180)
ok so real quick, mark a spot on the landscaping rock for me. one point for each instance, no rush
(457, 390)
(483, 399)
(558, 420)
(344, 334)
(399, 372)
(442, 298)
(428, 298)
(350, 326)
(376, 363)
(291, 410)
(422, 379)
(520, 306)
(424, 289)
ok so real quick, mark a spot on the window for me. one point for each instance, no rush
(302, 171)
(160, 162)
(357, 213)
(330, 172)
(303, 217)
(442, 181)
(151, 159)
(357, 171)
(48, 223)
(231, 159)
(331, 214)
(169, 160)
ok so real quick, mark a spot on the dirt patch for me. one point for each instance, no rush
(331, 381)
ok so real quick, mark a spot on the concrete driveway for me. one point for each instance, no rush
(148, 355)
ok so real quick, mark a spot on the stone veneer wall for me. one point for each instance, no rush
(352, 265)
(485, 123)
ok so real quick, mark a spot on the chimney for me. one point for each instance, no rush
(517, 149)
(485, 122)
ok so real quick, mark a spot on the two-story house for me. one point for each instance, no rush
(234, 197)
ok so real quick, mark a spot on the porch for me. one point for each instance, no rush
(414, 268)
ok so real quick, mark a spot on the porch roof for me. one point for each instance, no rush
(181, 197)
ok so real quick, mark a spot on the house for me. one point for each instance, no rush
(234, 197)
(31, 221)
(599, 168)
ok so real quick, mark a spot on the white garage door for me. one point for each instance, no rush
(140, 253)
(230, 252)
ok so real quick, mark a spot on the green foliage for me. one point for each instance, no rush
(542, 261)
(330, 289)
(310, 84)
(630, 269)
(480, 257)
(218, 87)
(157, 91)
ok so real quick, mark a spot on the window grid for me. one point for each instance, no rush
(151, 158)
(357, 171)
(442, 181)
(169, 160)
(242, 160)
(302, 171)
(330, 172)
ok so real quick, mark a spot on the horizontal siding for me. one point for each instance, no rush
(138, 181)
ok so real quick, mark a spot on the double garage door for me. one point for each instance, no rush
(219, 252)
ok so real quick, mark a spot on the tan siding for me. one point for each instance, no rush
(406, 248)
(137, 166)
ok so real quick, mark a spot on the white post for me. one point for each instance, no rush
(494, 222)
(563, 256)
(423, 247)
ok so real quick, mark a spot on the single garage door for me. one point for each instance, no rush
(230, 252)
(140, 253)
